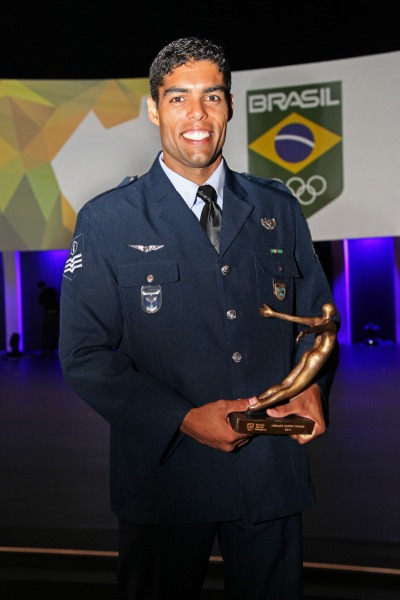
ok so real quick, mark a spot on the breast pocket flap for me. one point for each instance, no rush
(155, 273)
(278, 265)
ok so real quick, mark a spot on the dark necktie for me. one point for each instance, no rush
(210, 218)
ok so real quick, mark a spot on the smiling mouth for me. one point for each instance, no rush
(196, 135)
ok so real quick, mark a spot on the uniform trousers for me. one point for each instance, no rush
(262, 561)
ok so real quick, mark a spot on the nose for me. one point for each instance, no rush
(197, 110)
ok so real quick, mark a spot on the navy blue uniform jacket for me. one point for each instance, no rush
(143, 371)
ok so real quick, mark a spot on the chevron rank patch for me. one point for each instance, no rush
(75, 259)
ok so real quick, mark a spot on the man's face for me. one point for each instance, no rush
(192, 115)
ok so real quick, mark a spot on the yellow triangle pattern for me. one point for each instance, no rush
(36, 119)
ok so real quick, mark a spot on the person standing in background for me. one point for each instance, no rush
(161, 334)
(48, 300)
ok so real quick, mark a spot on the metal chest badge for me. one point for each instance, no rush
(268, 223)
(151, 298)
(280, 290)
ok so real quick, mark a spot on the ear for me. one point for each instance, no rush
(152, 111)
(230, 108)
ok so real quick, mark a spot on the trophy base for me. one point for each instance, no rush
(262, 424)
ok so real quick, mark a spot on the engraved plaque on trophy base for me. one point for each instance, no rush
(260, 423)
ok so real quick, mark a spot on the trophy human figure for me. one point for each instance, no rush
(296, 381)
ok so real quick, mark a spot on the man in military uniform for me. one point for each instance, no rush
(162, 336)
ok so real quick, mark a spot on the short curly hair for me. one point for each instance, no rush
(182, 51)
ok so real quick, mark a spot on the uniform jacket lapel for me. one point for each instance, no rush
(170, 207)
(236, 211)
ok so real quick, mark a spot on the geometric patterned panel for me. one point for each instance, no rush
(36, 119)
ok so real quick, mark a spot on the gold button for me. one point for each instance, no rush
(150, 278)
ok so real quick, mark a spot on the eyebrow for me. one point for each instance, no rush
(178, 90)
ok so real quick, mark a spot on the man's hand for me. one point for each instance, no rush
(307, 404)
(209, 424)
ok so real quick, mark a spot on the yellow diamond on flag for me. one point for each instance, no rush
(323, 140)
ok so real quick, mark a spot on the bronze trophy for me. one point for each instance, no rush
(256, 422)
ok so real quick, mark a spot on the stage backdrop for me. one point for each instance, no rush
(329, 130)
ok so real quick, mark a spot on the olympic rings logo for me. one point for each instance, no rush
(311, 189)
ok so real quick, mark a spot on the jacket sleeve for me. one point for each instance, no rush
(91, 352)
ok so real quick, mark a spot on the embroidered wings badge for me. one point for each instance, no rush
(143, 248)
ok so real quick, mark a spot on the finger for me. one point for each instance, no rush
(242, 443)
(302, 439)
(279, 412)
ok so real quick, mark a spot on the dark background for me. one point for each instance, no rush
(90, 40)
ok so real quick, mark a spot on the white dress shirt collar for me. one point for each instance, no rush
(188, 190)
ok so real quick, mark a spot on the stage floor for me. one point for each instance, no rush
(54, 463)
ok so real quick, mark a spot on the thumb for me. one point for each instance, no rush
(242, 404)
(280, 411)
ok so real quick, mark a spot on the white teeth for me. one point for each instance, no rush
(196, 135)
